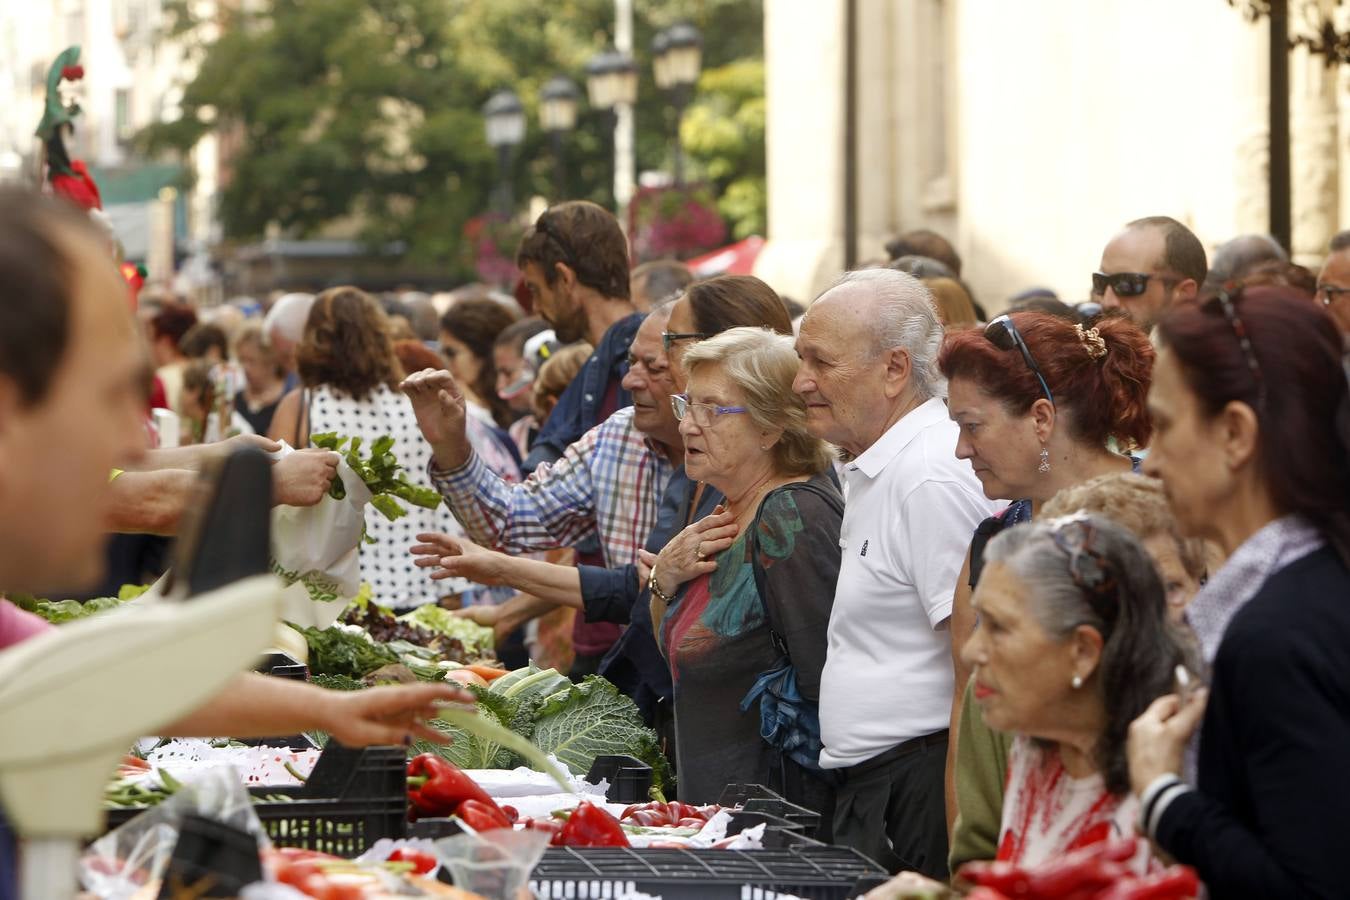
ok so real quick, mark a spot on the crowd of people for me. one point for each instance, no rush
(972, 586)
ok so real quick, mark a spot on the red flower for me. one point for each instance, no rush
(72, 73)
(79, 188)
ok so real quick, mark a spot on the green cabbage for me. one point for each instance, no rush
(574, 722)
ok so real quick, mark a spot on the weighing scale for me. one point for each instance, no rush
(74, 699)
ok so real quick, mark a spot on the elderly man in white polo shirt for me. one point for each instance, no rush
(868, 347)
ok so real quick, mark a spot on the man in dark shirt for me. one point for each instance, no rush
(575, 263)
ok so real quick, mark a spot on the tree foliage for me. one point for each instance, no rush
(369, 111)
(723, 132)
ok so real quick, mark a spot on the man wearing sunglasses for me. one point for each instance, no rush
(576, 268)
(871, 386)
(1154, 263)
(1333, 283)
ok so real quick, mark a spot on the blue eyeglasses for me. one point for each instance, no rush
(704, 414)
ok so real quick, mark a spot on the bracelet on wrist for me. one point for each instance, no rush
(655, 587)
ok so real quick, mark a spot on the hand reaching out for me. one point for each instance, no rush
(439, 406)
(458, 558)
(388, 715)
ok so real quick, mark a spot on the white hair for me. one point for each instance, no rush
(288, 316)
(906, 318)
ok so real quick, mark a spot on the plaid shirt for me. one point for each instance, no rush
(608, 483)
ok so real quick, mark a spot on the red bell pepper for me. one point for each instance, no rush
(436, 787)
(591, 826)
(1174, 883)
(422, 862)
(481, 816)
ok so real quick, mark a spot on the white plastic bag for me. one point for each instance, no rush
(316, 549)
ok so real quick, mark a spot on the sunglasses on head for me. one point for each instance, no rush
(1125, 284)
(1092, 572)
(1003, 334)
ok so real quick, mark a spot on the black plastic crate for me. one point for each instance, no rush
(353, 798)
(758, 798)
(812, 872)
(630, 779)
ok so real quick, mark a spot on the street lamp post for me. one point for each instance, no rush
(611, 84)
(504, 118)
(677, 57)
(558, 114)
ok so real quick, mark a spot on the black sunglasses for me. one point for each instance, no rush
(1092, 572)
(1003, 334)
(1125, 284)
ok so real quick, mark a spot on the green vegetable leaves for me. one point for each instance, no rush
(576, 723)
(333, 651)
(381, 472)
(475, 638)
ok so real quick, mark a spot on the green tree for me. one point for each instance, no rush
(370, 110)
(723, 133)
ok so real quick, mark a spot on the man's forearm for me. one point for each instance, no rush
(192, 457)
(150, 502)
(253, 705)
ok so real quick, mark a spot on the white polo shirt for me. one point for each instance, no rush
(911, 510)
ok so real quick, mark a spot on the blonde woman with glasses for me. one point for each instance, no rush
(733, 599)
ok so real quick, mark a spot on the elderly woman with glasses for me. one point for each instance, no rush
(1039, 401)
(732, 598)
(1074, 641)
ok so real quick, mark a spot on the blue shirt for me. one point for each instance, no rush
(580, 406)
(635, 664)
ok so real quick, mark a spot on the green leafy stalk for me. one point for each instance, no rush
(490, 731)
(381, 472)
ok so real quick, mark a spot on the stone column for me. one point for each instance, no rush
(1314, 133)
(1252, 206)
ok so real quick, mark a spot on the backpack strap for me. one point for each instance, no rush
(984, 533)
(833, 501)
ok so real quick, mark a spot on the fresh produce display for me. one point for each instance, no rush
(334, 651)
(574, 722)
(436, 787)
(590, 826)
(58, 612)
(477, 639)
(381, 472)
(382, 626)
(668, 815)
(1097, 872)
(325, 877)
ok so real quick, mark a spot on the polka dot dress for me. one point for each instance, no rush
(388, 565)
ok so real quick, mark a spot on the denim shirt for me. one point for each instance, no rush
(635, 664)
(578, 409)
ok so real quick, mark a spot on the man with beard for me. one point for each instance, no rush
(575, 263)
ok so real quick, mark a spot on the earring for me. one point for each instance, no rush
(1045, 461)
(1077, 682)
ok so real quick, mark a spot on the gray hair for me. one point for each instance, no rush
(1141, 648)
(1237, 257)
(907, 318)
(763, 363)
(288, 316)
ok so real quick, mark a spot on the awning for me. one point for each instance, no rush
(734, 259)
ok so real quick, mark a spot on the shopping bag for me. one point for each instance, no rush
(316, 548)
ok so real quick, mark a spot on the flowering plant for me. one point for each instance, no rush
(672, 221)
(490, 243)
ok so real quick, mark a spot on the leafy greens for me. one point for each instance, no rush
(382, 473)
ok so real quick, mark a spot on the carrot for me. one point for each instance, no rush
(487, 673)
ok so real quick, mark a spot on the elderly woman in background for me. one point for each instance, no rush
(727, 594)
(1137, 503)
(1074, 640)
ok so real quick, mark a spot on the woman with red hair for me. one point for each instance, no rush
(1040, 402)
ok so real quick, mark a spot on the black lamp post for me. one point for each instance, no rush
(677, 57)
(504, 118)
(558, 114)
(611, 82)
